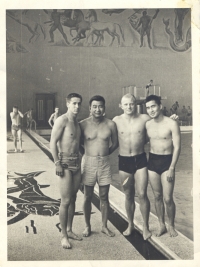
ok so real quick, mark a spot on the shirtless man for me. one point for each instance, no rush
(66, 133)
(133, 161)
(29, 118)
(16, 127)
(165, 146)
(97, 131)
(53, 117)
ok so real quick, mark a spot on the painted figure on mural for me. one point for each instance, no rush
(56, 24)
(145, 22)
(64, 144)
(165, 146)
(179, 39)
(31, 25)
(109, 27)
(16, 126)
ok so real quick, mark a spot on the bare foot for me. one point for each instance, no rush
(72, 235)
(129, 230)
(107, 232)
(15, 150)
(87, 231)
(162, 230)
(65, 243)
(146, 233)
(172, 231)
(21, 151)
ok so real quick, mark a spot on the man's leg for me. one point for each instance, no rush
(104, 207)
(19, 132)
(168, 188)
(75, 186)
(127, 180)
(71, 210)
(141, 182)
(155, 181)
(14, 134)
(87, 207)
(66, 194)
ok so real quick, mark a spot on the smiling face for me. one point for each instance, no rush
(153, 109)
(128, 105)
(97, 109)
(74, 105)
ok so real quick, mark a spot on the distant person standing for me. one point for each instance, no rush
(29, 119)
(175, 107)
(184, 113)
(16, 127)
(53, 117)
(165, 112)
(189, 115)
(165, 146)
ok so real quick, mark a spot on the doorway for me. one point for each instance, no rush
(45, 106)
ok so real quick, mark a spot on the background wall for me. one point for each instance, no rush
(37, 66)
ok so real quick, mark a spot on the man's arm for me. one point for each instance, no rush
(55, 137)
(114, 138)
(81, 146)
(20, 114)
(176, 139)
(50, 119)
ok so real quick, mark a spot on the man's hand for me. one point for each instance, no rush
(174, 117)
(170, 175)
(59, 170)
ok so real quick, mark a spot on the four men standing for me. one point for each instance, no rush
(97, 137)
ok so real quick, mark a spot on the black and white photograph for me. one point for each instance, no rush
(101, 113)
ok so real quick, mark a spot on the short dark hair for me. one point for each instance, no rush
(16, 107)
(97, 98)
(70, 96)
(156, 98)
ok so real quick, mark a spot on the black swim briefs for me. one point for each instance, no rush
(133, 163)
(159, 163)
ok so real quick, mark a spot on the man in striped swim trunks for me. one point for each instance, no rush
(97, 131)
(65, 143)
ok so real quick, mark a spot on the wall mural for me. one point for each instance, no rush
(106, 27)
(30, 198)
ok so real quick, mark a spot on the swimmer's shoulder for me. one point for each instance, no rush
(144, 117)
(117, 119)
(84, 122)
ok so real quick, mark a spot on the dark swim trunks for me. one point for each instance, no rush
(159, 163)
(16, 127)
(132, 164)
